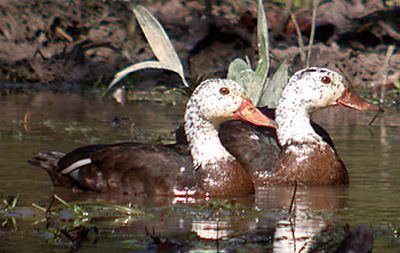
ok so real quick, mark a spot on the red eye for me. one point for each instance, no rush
(326, 79)
(224, 91)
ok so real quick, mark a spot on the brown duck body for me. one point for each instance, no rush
(138, 169)
(128, 168)
(226, 179)
(306, 164)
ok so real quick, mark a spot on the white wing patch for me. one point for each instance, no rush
(76, 165)
(254, 137)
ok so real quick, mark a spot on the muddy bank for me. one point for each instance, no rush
(86, 42)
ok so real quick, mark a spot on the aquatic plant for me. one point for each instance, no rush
(85, 211)
(261, 88)
(10, 202)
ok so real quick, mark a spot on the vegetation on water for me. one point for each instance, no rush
(76, 223)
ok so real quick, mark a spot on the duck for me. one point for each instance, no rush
(299, 151)
(305, 157)
(204, 168)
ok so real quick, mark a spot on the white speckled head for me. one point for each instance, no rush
(216, 100)
(308, 90)
(213, 102)
(315, 88)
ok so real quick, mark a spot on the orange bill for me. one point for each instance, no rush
(248, 112)
(352, 100)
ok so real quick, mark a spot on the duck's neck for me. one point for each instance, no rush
(218, 172)
(205, 145)
(293, 118)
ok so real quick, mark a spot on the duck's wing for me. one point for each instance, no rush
(128, 168)
(323, 133)
(57, 163)
(255, 147)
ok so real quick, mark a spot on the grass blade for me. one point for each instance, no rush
(312, 34)
(159, 41)
(161, 46)
(135, 67)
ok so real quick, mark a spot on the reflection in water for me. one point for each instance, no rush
(308, 218)
(313, 212)
(212, 229)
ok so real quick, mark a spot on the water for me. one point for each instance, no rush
(257, 224)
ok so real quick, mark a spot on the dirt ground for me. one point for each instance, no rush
(86, 42)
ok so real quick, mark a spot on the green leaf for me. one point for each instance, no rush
(241, 72)
(263, 43)
(273, 90)
(160, 44)
(237, 69)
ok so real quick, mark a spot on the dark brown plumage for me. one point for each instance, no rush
(315, 165)
(129, 168)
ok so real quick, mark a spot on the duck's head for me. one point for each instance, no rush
(219, 100)
(316, 88)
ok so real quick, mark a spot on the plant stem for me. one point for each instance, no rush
(39, 207)
(299, 37)
(293, 198)
(314, 21)
(389, 54)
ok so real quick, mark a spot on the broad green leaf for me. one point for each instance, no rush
(135, 67)
(263, 43)
(273, 90)
(262, 91)
(242, 73)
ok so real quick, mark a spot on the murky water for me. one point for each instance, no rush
(47, 121)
